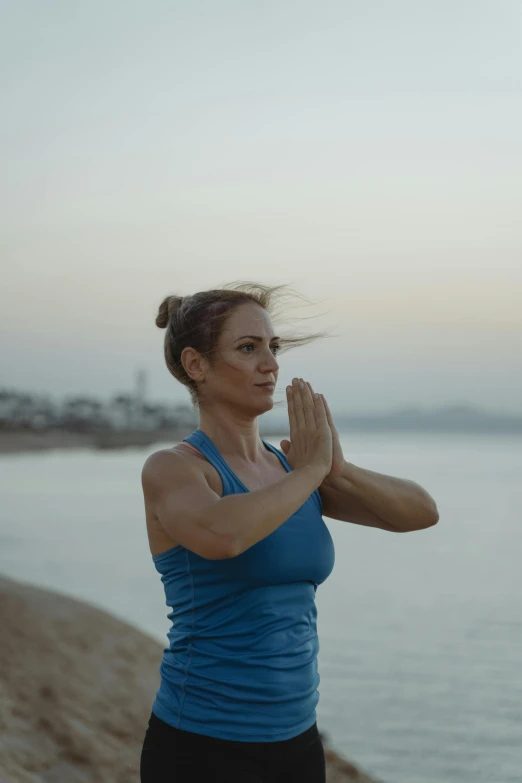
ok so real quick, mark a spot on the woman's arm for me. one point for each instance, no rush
(367, 498)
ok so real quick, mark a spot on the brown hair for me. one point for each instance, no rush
(196, 321)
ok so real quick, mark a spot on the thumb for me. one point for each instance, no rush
(285, 446)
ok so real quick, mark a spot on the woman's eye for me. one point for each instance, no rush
(275, 347)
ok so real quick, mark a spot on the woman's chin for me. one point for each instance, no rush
(266, 405)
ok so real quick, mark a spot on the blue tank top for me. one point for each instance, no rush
(241, 663)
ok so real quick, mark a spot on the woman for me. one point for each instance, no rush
(236, 532)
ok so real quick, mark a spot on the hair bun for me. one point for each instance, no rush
(173, 304)
(169, 306)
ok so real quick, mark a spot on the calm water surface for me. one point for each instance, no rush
(420, 633)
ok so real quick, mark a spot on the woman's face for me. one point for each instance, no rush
(243, 362)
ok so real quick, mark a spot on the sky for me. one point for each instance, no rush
(367, 154)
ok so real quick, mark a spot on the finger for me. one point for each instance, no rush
(327, 409)
(312, 393)
(291, 412)
(315, 401)
(328, 413)
(308, 404)
(320, 412)
(285, 446)
(298, 404)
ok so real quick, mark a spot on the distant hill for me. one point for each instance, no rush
(450, 418)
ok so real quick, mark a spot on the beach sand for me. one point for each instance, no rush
(76, 689)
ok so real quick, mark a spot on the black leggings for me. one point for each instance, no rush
(171, 755)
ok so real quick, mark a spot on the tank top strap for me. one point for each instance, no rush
(279, 454)
(231, 482)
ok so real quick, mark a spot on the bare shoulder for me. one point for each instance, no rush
(163, 472)
(161, 466)
(175, 488)
(163, 462)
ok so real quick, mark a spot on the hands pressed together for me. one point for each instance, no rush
(314, 439)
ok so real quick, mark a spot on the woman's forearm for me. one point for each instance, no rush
(402, 503)
(246, 518)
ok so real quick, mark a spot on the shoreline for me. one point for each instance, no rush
(20, 442)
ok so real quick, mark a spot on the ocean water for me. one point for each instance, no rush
(420, 633)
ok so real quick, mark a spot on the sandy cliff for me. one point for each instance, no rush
(76, 687)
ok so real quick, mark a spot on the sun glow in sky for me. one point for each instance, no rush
(369, 154)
